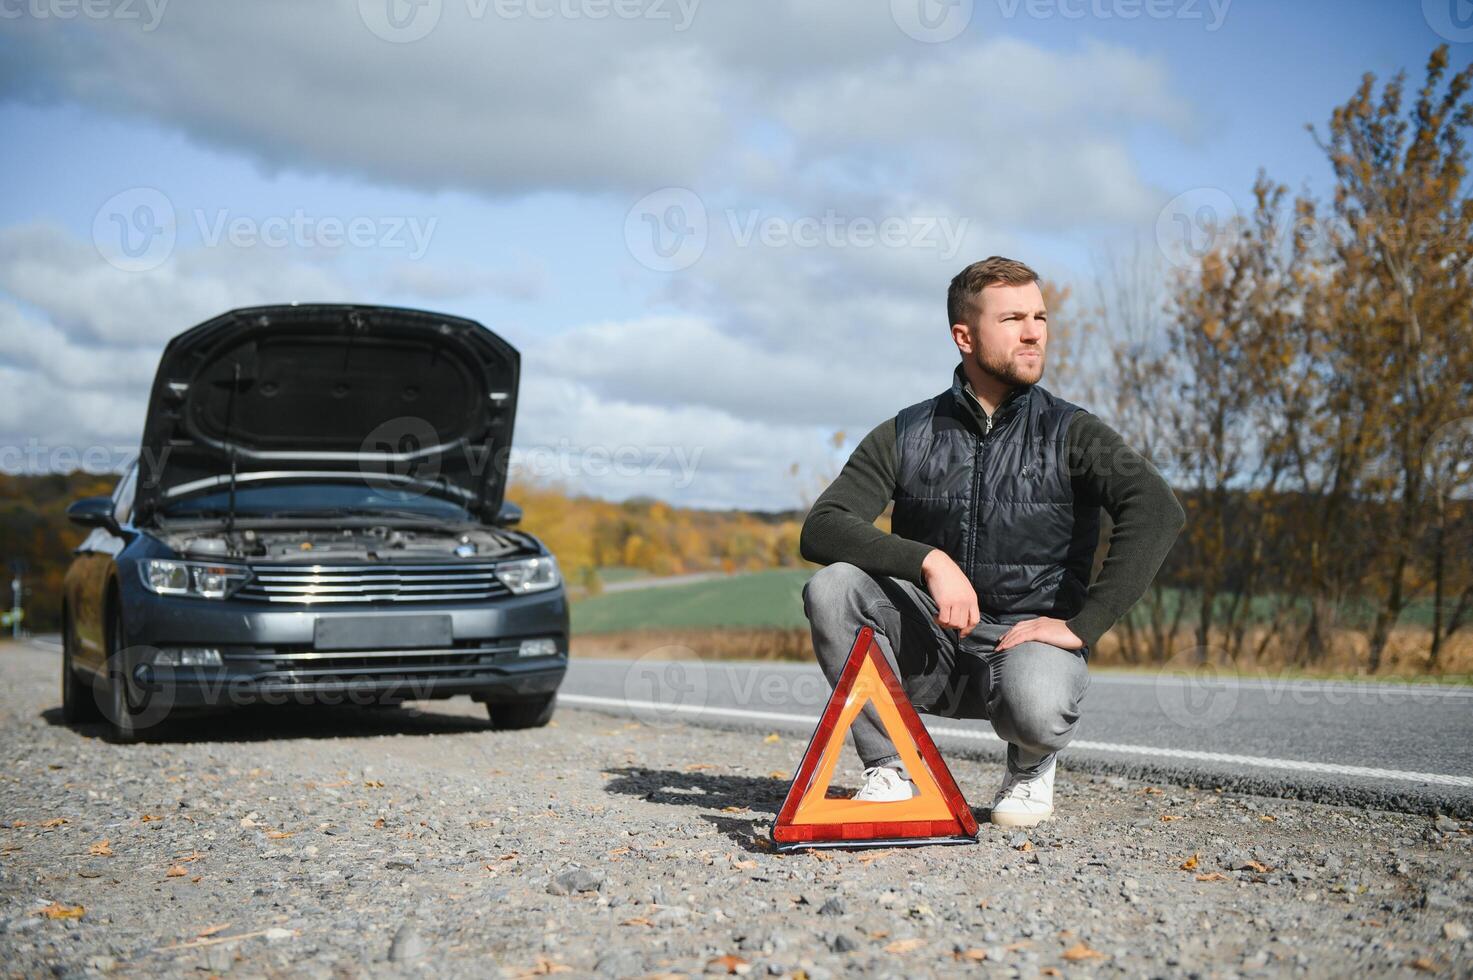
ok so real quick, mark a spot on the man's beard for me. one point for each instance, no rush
(1008, 370)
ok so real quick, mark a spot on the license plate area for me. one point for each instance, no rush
(381, 632)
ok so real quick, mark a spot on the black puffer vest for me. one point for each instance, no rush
(1000, 503)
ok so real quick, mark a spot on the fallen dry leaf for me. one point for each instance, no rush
(211, 930)
(177, 871)
(1258, 866)
(1267, 817)
(1213, 876)
(869, 857)
(904, 945)
(54, 822)
(279, 834)
(374, 783)
(149, 818)
(1051, 971)
(102, 849)
(544, 966)
(974, 955)
(617, 852)
(698, 766)
(779, 774)
(1079, 951)
(638, 920)
(774, 737)
(1152, 791)
(1190, 863)
(729, 962)
(56, 910)
(378, 824)
(1424, 964)
(1168, 817)
(734, 809)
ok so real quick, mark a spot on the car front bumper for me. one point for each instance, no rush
(271, 654)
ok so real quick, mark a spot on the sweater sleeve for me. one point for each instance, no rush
(841, 525)
(1145, 512)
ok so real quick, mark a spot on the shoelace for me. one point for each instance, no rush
(1020, 790)
(874, 771)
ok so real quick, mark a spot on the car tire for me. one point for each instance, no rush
(78, 698)
(512, 715)
(121, 713)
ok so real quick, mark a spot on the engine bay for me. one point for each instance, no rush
(352, 544)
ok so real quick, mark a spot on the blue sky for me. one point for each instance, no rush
(514, 168)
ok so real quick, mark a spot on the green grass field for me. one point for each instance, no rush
(774, 599)
(759, 599)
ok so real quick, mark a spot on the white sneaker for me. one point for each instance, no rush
(885, 785)
(1024, 802)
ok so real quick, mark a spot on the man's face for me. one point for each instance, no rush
(1008, 335)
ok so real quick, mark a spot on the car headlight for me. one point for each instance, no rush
(204, 580)
(529, 574)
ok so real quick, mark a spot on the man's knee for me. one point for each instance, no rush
(1040, 695)
(834, 587)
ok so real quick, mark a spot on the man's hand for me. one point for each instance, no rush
(1045, 629)
(949, 586)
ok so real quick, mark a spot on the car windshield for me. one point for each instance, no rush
(326, 500)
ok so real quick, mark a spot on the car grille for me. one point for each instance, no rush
(299, 666)
(372, 583)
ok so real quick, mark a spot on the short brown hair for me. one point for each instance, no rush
(967, 286)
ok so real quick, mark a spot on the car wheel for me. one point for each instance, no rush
(78, 699)
(122, 714)
(511, 715)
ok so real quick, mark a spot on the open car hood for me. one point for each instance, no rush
(423, 400)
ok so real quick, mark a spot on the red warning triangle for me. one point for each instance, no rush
(938, 815)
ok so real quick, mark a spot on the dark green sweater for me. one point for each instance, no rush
(1146, 516)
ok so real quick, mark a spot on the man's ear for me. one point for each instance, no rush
(961, 334)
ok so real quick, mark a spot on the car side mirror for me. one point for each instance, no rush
(92, 512)
(509, 515)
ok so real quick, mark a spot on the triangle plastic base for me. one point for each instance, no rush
(937, 815)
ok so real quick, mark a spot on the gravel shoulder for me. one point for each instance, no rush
(339, 842)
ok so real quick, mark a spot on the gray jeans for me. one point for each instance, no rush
(1030, 692)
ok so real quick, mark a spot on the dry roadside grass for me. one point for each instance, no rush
(1406, 656)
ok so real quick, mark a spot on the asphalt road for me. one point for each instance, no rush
(1393, 746)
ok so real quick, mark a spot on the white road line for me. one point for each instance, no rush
(947, 731)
